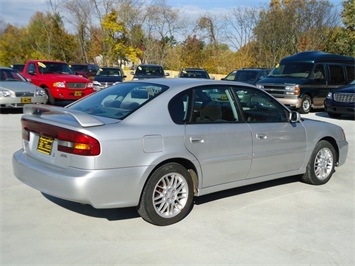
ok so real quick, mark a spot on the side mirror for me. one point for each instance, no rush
(294, 117)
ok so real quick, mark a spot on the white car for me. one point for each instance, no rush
(156, 144)
(16, 91)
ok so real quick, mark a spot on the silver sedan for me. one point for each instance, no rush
(157, 144)
(16, 91)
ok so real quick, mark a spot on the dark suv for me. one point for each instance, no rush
(86, 70)
(149, 71)
(194, 73)
(248, 75)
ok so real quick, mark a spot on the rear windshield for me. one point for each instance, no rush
(119, 101)
(292, 69)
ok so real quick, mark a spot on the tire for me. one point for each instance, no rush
(306, 105)
(321, 165)
(50, 97)
(167, 196)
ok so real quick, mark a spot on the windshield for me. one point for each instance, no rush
(54, 68)
(81, 68)
(110, 72)
(149, 71)
(292, 69)
(194, 74)
(246, 76)
(10, 75)
(119, 101)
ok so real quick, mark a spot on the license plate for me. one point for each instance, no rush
(77, 93)
(26, 100)
(45, 145)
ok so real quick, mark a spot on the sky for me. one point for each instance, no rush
(19, 12)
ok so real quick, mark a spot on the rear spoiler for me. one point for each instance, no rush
(84, 119)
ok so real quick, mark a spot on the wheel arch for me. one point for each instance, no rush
(191, 168)
(333, 142)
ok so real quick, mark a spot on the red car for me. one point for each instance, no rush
(58, 80)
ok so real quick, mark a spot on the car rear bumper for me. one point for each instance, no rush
(109, 188)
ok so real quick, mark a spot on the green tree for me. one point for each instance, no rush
(289, 27)
(47, 38)
(12, 46)
(116, 40)
(342, 39)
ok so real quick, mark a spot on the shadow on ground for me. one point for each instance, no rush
(129, 213)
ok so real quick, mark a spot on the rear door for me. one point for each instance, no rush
(217, 136)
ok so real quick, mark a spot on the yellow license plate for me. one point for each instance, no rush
(45, 145)
(77, 93)
(26, 100)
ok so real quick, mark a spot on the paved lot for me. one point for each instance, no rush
(275, 223)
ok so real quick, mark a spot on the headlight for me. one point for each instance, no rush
(259, 86)
(292, 90)
(90, 85)
(96, 83)
(5, 93)
(40, 92)
(59, 84)
(330, 95)
(117, 82)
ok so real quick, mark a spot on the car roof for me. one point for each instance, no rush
(6, 68)
(193, 69)
(184, 83)
(253, 69)
(150, 65)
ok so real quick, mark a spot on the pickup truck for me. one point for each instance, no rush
(58, 80)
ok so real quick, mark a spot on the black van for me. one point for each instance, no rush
(302, 81)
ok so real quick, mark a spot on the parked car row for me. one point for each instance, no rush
(301, 81)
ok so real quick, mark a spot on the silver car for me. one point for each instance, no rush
(156, 144)
(15, 90)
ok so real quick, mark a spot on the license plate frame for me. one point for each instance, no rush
(25, 100)
(78, 93)
(45, 145)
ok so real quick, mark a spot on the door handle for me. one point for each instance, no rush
(261, 136)
(196, 139)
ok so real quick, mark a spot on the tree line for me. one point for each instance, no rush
(114, 32)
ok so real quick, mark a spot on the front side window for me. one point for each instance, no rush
(231, 76)
(31, 68)
(54, 68)
(318, 72)
(119, 101)
(259, 107)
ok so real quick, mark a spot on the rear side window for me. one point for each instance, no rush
(119, 101)
(337, 76)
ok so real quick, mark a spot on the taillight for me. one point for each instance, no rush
(77, 143)
(69, 141)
